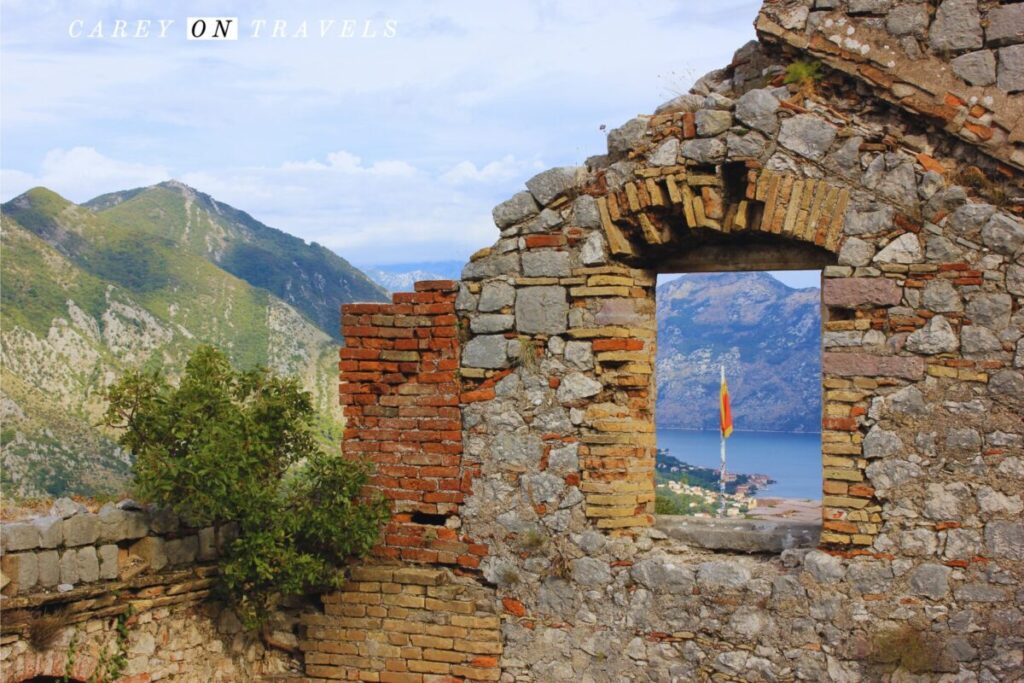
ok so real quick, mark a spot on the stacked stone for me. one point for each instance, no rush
(70, 546)
(960, 65)
(399, 387)
(398, 624)
(172, 633)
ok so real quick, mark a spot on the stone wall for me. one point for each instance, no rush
(69, 576)
(895, 174)
(398, 624)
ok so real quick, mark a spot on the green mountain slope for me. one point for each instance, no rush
(310, 277)
(86, 294)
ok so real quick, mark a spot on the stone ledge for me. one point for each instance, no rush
(743, 535)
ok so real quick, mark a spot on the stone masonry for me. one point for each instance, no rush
(896, 170)
(74, 573)
(511, 415)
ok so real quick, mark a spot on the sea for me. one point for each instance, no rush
(793, 460)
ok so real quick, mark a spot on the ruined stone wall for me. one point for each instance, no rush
(400, 390)
(71, 575)
(398, 624)
(922, 545)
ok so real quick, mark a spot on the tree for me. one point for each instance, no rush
(231, 446)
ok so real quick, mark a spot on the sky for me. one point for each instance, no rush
(388, 138)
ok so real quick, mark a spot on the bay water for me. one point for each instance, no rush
(791, 459)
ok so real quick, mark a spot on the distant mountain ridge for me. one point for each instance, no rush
(310, 277)
(767, 335)
(138, 279)
(400, 277)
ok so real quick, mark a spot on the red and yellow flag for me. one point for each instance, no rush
(725, 412)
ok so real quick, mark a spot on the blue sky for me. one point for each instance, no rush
(384, 149)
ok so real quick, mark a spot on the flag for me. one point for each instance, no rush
(725, 412)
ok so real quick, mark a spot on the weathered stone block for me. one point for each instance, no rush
(547, 185)
(107, 555)
(579, 354)
(860, 291)
(807, 135)
(546, 264)
(87, 564)
(515, 210)
(977, 68)
(869, 221)
(152, 550)
(16, 536)
(492, 266)
(705, 150)
(937, 336)
(136, 524)
(904, 249)
(516, 451)
(485, 351)
(51, 531)
(665, 154)
(627, 136)
(1005, 25)
(992, 310)
(722, 574)
(1005, 539)
(81, 529)
(757, 109)
(575, 386)
(49, 568)
(113, 524)
(541, 310)
(589, 571)
(662, 575)
(957, 26)
(712, 122)
(1010, 75)
(908, 19)
(864, 364)
(69, 567)
(930, 580)
(486, 323)
(182, 550)
(942, 297)
(585, 213)
(22, 569)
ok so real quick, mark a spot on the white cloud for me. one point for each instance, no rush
(346, 162)
(369, 211)
(81, 173)
(502, 170)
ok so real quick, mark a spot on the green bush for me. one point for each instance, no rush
(232, 446)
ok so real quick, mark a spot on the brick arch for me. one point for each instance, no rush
(49, 665)
(654, 219)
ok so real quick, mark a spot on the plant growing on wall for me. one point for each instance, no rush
(232, 446)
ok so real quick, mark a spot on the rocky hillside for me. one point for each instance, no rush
(767, 334)
(309, 277)
(140, 278)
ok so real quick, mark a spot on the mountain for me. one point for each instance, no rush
(768, 336)
(138, 279)
(400, 277)
(309, 277)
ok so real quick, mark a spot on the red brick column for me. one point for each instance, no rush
(400, 389)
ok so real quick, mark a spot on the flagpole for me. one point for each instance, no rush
(721, 476)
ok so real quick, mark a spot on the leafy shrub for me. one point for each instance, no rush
(226, 445)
